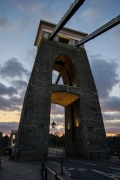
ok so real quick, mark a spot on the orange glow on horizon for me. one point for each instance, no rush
(108, 134)
(9, 116)
(14, 116)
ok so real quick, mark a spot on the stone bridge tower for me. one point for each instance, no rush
(84, 128)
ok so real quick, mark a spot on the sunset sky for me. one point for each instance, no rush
(19, 20)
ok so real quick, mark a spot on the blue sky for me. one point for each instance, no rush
(19, 20)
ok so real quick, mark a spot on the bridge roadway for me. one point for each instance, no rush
(74, 168)
(11, 170)
(80, 169)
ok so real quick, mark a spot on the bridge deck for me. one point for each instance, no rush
(11, 170)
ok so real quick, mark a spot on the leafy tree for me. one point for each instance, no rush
(5, 140)
(114, 142)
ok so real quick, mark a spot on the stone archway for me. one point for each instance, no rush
(65, 66)
(83, 119)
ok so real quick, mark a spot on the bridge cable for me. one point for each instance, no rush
(99, 31)
(73, 8)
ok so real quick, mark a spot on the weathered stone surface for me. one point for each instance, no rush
(84, 128)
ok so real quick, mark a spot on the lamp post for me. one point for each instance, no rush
(56, 137)
(53, 124)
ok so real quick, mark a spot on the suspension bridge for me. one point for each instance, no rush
(62, 49)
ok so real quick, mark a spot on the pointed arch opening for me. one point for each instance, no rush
(66, 69)
(63, 75)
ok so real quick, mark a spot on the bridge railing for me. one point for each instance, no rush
(45, 169)
(110, 157)
(56, 176)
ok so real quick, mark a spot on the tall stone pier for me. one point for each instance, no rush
(84, 128)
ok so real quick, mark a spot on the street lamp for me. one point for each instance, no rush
(53, 124)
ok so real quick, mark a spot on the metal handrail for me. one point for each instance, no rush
(57, 177)
(100, 156)
(44, 170)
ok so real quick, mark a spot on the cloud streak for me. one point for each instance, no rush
(7, 24)
(112, 104)
(91, 15)
(29, 7)
(21, 86)
(105, 75)
(112, 127)
(111, 116)
(114, 34)
(11, 104)
(6, 127)
(7, 90)
(12, 68)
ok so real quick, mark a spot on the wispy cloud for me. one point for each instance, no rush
(30, 13)
(30, 54)
(112, 127)
(91, 15)
(114, 34)
(4, 90)
(12, 68)
(11, 104)
(13, 71)
(105, 74)
(29, 6)
(112, 104)
(19, 84)
(21, 87)
(6, 127)
(111, 116)
(7, 24)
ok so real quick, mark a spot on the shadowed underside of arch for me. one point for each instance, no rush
(65, 66)
(63, 98)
